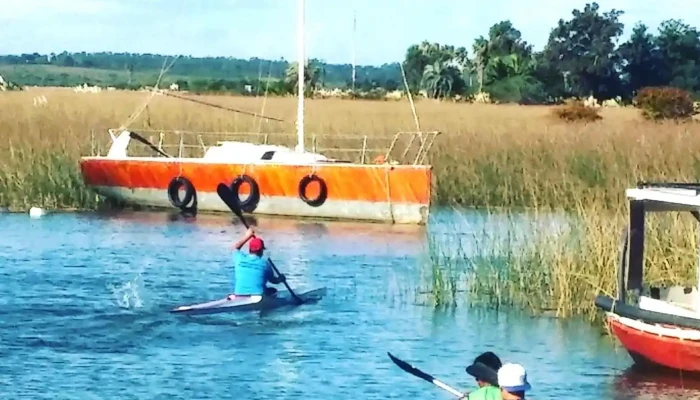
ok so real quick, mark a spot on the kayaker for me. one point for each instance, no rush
(485, 370)
(512, 378)
(252, 271)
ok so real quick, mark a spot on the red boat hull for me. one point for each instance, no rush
(657, 345)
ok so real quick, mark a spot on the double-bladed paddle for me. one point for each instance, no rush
(228, 197)
(423, 375)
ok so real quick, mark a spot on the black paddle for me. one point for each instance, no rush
(423, 375)
(227, 196)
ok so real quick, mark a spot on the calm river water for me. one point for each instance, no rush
(84, 303)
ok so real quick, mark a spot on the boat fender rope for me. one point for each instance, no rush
(388, 193)
(251, 203)
(173, 192)
(323, 192)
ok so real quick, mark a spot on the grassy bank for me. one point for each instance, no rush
(488, 155)
(554, 266)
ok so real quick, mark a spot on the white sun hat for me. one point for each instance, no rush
(513, 378)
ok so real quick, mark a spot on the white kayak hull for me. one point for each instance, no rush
(252, 303)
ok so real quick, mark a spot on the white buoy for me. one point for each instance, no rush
(36, 212)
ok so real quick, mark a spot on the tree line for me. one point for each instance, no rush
(582, 57)
(128, 70)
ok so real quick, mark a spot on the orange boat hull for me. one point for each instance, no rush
(383, 193)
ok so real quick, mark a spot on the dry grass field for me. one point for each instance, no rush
(488, 156)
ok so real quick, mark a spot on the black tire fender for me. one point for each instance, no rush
(253, 199)
(173, 189)
(322, 195)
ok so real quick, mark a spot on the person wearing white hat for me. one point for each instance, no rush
(512, 378)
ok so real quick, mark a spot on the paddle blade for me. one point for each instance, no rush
(411, 369)
(229, 198)
(143, 140)
(425, 376)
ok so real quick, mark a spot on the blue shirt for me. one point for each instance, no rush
(251, 273)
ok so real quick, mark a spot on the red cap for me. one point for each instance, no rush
(256, 244)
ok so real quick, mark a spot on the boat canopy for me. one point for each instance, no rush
(650, 197)
(667, 196)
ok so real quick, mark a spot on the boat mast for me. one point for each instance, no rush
(354, 53)
(301, 61)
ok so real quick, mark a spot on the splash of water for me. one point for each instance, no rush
(127, 295)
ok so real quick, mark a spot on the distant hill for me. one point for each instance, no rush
(127, 69)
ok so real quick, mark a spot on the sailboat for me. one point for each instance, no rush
(277, 180)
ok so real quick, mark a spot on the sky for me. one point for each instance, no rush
(267, 28)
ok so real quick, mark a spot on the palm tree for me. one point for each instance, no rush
(438, 80)
(508, 66)
(481, 49)
(311, 77)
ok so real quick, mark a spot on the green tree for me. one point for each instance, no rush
(68, 61)
(511, 65)
(641, 61)
(584, 47)
(312, 74)
(552, 79)
(511, 79)
(129, 71)
(440, 80)
(679, 45)
(505, 66)
(419, 56)
(505, 40)
(481, 58)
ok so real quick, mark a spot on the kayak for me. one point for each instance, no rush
(251, 303)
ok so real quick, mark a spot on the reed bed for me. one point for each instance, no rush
(554, 266)
(487, 155)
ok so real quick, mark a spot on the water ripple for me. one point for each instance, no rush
(84, 303)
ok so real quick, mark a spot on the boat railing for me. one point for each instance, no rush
(417, 154)
(401, 148)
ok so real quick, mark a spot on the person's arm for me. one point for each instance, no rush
(246, 237)
(275, 280)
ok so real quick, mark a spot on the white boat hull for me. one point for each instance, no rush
(253, 303)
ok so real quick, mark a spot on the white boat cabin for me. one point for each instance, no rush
(243, 152)
(226, 152)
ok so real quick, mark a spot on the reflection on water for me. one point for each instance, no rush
(455, 233)
(636, 384)
(85, 299)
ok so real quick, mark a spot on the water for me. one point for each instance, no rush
(84, 301)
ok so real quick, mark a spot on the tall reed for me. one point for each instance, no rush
(558, 265)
